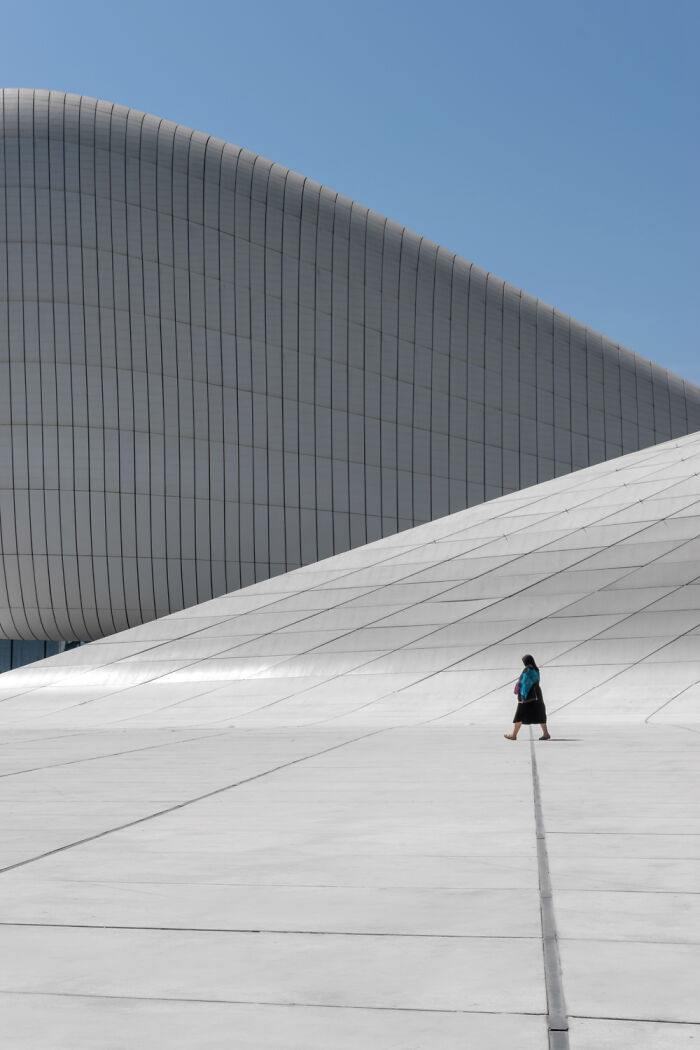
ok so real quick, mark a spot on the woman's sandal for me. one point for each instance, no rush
(547, 737)
(508, 736)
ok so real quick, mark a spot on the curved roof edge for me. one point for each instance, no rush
(159, 126)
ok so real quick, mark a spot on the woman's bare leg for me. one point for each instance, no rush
(514, 734)
(545, 731)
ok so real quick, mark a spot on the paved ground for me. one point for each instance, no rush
(324, 889)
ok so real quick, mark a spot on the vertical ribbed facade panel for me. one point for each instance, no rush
(213, 370)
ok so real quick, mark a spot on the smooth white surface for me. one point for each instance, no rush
(302, 819)
(80, 1023)
(595, 573)
(370, 887)
(613, 1035)
(360, 873)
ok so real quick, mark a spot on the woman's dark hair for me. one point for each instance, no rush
(529, 661)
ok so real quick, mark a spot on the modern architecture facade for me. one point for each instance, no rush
(214, 370)
(596, 573)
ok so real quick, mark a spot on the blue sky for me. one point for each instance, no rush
(553, 143)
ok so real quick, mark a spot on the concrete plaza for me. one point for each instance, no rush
(287, 819)
(345, 888)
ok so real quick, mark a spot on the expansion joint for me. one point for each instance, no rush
(557, 1018)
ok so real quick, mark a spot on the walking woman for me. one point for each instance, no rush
(530, 709)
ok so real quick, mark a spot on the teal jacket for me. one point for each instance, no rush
(527, 680)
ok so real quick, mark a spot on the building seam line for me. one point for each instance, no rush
(557, 1019)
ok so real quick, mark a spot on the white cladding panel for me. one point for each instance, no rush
(596, 574)
(213, 370)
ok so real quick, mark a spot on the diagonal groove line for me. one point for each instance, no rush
(644, 527)
(312, 614)
(366, 934)
(640, 1020)
(392, 557)
(557, 1019)
(111, 754)
(687, 729)
(187, 802)
(267, 1002)
(347, 576)
(676, 696)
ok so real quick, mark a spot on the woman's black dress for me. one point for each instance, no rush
(531, 711)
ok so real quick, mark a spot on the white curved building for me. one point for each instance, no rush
(214, 370)
(596, 573)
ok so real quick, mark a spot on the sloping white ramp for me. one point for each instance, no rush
(596, 573)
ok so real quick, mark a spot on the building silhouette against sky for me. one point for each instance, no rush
(215, 370)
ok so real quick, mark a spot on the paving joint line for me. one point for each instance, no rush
(261, 930)
(635, 834)
(267, 1002)
(637, 1020)
(284, 596)
(186, 803)
(110, 754)
(557, 1019)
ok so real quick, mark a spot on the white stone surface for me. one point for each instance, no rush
(590, 1034)
(387, 873)
(371, 878)
(594, 572)
(213, 824)
(81, 1023)
(623, 838)
(250, 372)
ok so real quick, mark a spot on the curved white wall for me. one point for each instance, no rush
(597, 574)
(213, 370)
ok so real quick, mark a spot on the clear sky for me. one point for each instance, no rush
(553, 142)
